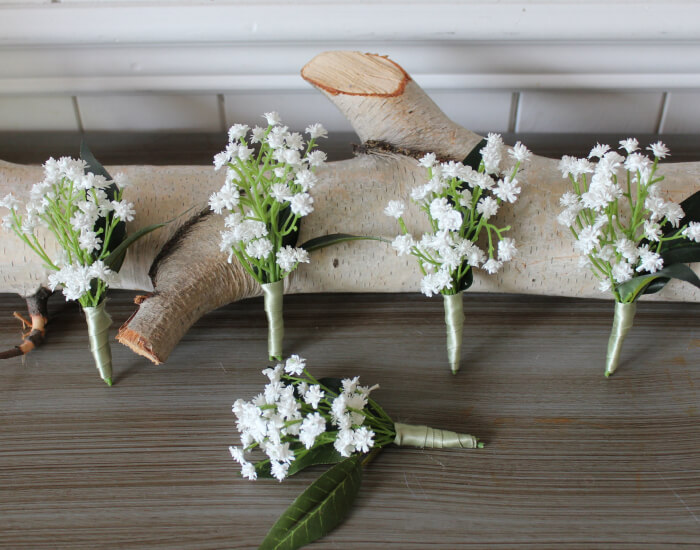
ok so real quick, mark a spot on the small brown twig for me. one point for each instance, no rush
(38, 313)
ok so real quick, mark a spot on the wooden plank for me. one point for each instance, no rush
(573, 460)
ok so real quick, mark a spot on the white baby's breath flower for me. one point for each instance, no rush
(507, 189)
(316, 158)
(316, 131)
(403, 244)
(123, 210)
(237, 131)
(487, 207)
(295, 365)
(428, 160)
(434, 283)
(281, 192)
(692, 231)
(273, 118)
(630, 145)
(259, 248)
(622, 271)
(506, 249)
(659, 150)
(519, 152)
(604, 285)
(9, 202)
(652, 230)
(492, 266)
(257, 134)
(363, 439)
(649, 260)
(588, 239)
(306, 179)
(599, 150)
(673, 213)
(89, 241)
(313, 395)
(395, 209)
(301, 204)
(286, 258)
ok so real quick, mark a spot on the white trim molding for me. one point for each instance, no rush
(233, 49)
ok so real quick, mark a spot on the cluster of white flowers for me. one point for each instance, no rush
(459, 202)
(266, 193)
(295, 414)
(617, 213)
(76, 278)
(70, 202)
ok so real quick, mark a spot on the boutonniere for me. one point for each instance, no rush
(632, 238)
(460, 201)
(85, 211)
(268, 189)
(300, 421)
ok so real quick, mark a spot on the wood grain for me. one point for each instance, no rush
(572, 460)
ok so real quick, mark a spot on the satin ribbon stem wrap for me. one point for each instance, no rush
(273, 294)
(424, 437)
(454, 321)
(622, 323)
(98, 322)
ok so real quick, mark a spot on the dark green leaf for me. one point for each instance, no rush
(681, 251)
(631, 290)
(116, 258)
(333, 384)
(319, 509)
(93, 165)
(466, 281)
(691, 209)
(119, 232)
(335, 238)
(325, 454)
(282, 218)
(473, 159)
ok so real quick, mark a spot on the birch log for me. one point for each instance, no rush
(186, 275)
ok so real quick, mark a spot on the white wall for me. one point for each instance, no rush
(529, 66)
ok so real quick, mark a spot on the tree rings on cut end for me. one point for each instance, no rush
(356, 73)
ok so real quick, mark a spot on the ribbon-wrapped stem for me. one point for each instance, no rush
(98, 322)
(454, 321)
(273, 295)
(424, 437)
(622, 323)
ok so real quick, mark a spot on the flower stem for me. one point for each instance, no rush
(410, 435)
(622, 323)
(99, 321)
(454, 322)
(273, 295)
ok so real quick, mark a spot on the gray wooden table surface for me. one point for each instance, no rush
(573, 460)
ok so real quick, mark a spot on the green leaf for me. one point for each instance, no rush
(691, 208)
(119, 231)
(631, 290)
(466, 281)
(319, 509)
(681, 251)
(282, 218)
(335, 238)
(116, 257)
(93, 165)
(473, 159)
(325, 454)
